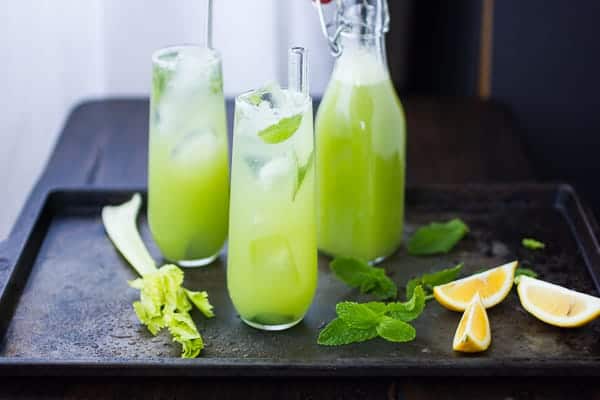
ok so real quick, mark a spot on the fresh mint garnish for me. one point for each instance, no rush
(359, 274)
(302, 170)
(394, 330)
(216, 83)
(524, 272)
(430, 280)
(532, 244)
(437, 237)
(337, 333)
(282, 130)
(410, 309)
(358, 322)
(356, 315)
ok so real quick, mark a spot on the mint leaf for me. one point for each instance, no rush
(302, 170)
(532, 244)
(437, 237)
(282, 130)
(409, 310)
(428, 281)
(337, 332)
(395, 330)
(524, 272)
(357, 315)
(359, 274)
(358, 322)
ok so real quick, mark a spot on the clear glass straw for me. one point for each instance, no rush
(209, 13)
(298, 70)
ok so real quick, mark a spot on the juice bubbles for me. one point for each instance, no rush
(272, 254)
(360, 132)
(188, 188)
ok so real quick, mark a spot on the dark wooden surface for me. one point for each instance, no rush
(104, 143)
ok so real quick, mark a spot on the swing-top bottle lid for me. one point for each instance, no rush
(360, 17)
(363, 17)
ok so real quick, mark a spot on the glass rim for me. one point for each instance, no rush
(157, 54)
(240, 97)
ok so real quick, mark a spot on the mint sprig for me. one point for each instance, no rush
(359, 322)
(430, 280)
(437, 237)
(519, 272)
(368, 279)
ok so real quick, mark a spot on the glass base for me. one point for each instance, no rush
(280, 327)
(201, 262)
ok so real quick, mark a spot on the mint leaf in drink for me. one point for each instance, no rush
(532, 244)
(409, 310)
(302, 170)
(368, 279)
(338, 332)
(282, 130)
(357, 315)
(428, 281)
(395, 330)
(437, 237)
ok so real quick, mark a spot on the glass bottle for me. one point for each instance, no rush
(360, 139)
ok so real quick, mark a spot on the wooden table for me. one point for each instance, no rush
(451, 140)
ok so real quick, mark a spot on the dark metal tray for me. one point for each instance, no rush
(65, 306)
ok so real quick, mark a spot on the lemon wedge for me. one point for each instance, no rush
(492, 285)
(556, 305)
(473, 333)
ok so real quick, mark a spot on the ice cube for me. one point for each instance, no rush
(196, 146)
(273, 260)
(276, 172)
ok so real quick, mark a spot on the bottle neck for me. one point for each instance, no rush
(362, 60)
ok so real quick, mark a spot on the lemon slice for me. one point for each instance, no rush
(556, 305)
(492, 285)
(473, 333)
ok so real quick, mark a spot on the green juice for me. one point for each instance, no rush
(360, 133)
(188, 172)
(272, 251)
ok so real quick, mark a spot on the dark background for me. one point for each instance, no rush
(545, 69)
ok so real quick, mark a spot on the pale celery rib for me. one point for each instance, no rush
(164, 303)
(120, 224)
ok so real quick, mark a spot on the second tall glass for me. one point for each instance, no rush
(272, 257)
(188, 171)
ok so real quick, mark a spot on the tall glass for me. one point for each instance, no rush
(272, 255)
(361, 135)
(188, 172)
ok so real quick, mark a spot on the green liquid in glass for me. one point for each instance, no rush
(188, 172)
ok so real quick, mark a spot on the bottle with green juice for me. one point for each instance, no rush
(360, 140)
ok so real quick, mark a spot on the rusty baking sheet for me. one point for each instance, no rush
(66, 308)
